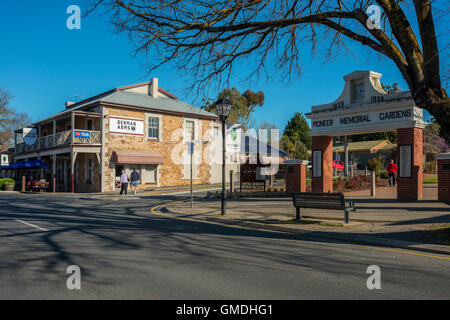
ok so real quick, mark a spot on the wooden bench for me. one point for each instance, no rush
(40, 186)
(332, 201)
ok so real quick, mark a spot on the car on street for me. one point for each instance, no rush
(338, 165)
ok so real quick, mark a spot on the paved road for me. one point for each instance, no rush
(127, 253)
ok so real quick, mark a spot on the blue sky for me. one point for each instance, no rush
(43, 64)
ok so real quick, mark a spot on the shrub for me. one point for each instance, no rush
(384, 175)
(353, 183)
(375, 164)
(5, 180)
(430, 167)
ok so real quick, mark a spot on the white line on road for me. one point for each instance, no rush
(31, 225)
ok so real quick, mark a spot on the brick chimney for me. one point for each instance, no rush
(154, 88)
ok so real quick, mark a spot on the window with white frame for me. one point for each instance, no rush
(153, 128)
(149, 174)
(189, 133)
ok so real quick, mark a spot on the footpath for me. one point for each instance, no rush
(381, 220)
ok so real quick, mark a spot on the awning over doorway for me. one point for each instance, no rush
(134, 157)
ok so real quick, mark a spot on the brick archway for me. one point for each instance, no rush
(365, 107)
(410, 164)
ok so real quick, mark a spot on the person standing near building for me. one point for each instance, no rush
(134, 177)
(123, 182)
(392, 171)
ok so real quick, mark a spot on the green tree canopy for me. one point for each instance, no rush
(297, 129)
(244, 105)
(295, 140)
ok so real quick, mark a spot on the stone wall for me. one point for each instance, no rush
(169, 145)
(80, 173)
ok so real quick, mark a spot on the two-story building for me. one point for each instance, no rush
(139, 126)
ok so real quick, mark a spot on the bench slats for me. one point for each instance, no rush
(312, 200)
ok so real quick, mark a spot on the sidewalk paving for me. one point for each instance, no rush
(161, 191)
(381, 219)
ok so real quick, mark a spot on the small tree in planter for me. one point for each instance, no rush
(375, 165)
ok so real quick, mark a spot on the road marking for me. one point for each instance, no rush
(31, 225)
(153, 210)
(402, 251)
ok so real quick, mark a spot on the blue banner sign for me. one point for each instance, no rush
(82, 134)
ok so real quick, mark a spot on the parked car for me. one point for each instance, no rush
(338, 165)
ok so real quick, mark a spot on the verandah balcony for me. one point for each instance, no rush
(60, 139)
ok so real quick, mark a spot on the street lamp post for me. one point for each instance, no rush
(223, 108)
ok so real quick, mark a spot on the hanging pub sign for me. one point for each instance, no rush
(126, 126)
(29, 136)
(405, 161)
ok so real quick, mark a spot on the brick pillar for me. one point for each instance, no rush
(443, 171)
(324, 183)
(410, 189)
(295, 175)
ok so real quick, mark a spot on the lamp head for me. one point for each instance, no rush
(223, 107)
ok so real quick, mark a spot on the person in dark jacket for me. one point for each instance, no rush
(134, 177)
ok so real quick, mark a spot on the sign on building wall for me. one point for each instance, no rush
(405, 161)
(233, 138)
(82, 134)
(317, 164)
(29, 135)
(127, 126)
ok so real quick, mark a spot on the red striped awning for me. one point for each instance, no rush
(134, 157)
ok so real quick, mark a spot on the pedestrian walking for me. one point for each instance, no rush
(134, 177)
(123, 182)
(392, 171)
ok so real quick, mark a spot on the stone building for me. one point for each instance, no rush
(139, 126)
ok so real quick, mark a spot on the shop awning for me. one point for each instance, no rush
(133, 157)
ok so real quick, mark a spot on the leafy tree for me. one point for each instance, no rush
(297, 128)
(210, 39)
(375, 164)
(294, 148)
(244, 105)
(295, 140)
(432, 141)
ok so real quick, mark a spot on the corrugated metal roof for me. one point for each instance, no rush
(119, 96)
(160, 103)
(360, 146)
